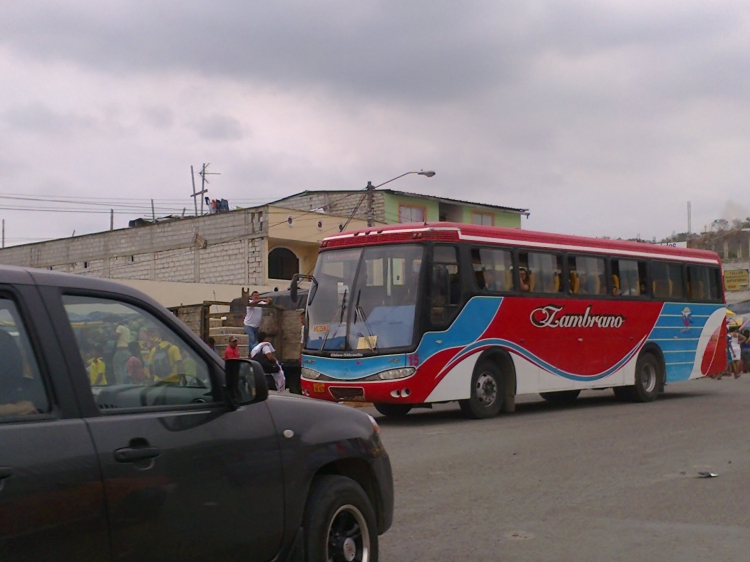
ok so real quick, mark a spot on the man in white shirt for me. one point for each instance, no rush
(253, 317)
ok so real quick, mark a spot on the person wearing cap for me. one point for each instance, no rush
(232, 351)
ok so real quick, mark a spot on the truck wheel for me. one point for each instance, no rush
(486, 395)
(560, 397)
(393, 410)
(339, 522)
(647, 381)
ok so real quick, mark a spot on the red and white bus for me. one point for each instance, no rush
(410, 315)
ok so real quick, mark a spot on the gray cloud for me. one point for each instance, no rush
(219, 127)
(38, 118)
(159, 117)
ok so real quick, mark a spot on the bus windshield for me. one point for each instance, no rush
(366, 299)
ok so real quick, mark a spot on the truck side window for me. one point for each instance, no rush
(132, 359)
(22, 391)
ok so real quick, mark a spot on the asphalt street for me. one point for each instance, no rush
(596, 480)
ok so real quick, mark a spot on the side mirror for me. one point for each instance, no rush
(293, 288)
(296, 278)
(245, 381)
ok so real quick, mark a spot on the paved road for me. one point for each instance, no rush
(598, 480)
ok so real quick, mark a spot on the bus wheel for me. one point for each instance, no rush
(647, 381)
(486, 395)
(393, 410)
(560, 397)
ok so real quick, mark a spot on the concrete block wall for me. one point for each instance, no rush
(223, 248)
(341, 204)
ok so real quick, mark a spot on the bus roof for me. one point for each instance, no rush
(471, 233)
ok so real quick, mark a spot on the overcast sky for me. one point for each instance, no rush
(603, 117)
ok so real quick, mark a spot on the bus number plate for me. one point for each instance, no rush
(319, 387)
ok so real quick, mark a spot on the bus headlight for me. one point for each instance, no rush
(310, 374)
(394, 374)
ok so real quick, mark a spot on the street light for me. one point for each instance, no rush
(368, 194)
(370, 197)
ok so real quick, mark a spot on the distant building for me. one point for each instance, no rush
(192, 259)
(390, 206)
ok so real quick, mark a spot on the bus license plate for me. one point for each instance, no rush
(319, 387)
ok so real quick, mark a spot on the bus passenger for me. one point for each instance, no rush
(524, 279)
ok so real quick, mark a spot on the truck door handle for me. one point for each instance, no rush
(5, 472)
(131, 454)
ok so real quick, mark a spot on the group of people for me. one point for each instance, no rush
(259, 348)
(738, 353)
(124, 360)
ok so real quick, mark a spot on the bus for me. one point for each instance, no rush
(411, 315)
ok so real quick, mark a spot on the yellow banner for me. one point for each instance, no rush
(736, 279)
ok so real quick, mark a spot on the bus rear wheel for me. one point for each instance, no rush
(393, 410)
(560, 397)
(486, 394)
(648, 381)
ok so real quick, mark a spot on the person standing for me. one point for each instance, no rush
(122, 354)
(253, 318)
(232, 351)
(165, 362)
(134, 365)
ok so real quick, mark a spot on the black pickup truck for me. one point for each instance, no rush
(123, 437)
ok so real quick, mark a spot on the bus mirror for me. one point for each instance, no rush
(293, 288)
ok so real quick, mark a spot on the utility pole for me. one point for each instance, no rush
(370, 202)
(3, 233)
(111, 219)
(153, 213)
(195, 201)
(689, 220)
(203, 173)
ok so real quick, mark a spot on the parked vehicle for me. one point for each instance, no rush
(182, 457)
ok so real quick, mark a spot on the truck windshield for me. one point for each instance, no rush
(366, 299)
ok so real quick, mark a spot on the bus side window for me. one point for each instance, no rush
(702, 283)
(544, 272)
(445, 292)
(587, 275)
(666, 280)
(629, 276)
(493, 269)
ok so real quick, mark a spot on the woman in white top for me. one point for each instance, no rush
(265, 348)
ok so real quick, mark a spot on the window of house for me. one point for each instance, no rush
(493, 269)
(666, 280)
(485, 219)
(411, 213)
(540, 272)
(587, 275)
(628, 278)
(282, 264)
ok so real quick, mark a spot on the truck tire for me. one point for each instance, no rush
(339, 522)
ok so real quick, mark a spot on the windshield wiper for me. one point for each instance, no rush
(342, 308)
(359, 311)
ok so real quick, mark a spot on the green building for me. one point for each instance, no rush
(390, 207)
